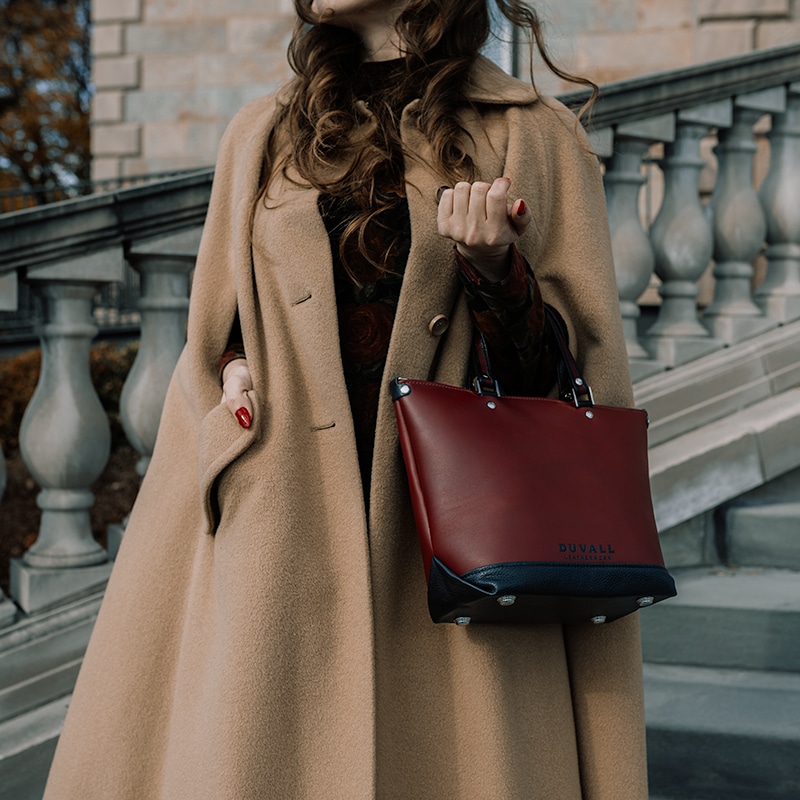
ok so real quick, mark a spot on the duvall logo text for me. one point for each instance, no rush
(586, 552)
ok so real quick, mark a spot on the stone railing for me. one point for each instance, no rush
(67, 251)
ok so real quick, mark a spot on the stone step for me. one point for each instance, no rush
(718, 733)
(745, 618)
(767, 534)
(27, 744)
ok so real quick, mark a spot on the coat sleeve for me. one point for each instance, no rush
(568, 245)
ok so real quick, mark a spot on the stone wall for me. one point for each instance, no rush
(169, 74)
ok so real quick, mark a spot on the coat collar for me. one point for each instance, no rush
(487, 83)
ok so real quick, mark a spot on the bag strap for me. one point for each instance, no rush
(571, 385)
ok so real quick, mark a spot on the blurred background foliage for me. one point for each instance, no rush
(45, 93)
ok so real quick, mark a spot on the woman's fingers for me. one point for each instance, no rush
(479, 215)
(236, 384)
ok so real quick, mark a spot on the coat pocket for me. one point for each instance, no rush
(222, 441)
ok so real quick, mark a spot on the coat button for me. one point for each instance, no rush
(438, 325)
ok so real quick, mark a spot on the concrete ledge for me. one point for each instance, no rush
(719, 384)
(40, 656)
(765, 535)
(747, 618)
(700, 470)
(27, 744)
(722, 733)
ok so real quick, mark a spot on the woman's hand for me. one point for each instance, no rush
(236, 383)
(482, 222)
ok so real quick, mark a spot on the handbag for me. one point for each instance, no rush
(530, 509)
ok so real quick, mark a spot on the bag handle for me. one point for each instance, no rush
(571, 385)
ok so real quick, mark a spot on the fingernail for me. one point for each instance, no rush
(243, 417)
(521, 208)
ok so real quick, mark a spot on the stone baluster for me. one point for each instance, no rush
(8, 302)
(779, 294)
(739, 223)
(164, 265)
(633, 253)
(65, 438)
(683, 241)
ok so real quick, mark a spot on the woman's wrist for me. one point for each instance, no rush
(494, 265)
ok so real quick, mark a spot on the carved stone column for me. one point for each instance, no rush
(739, 225)
(8, 302)
(683, 242)
(633, 254)
(65, 439)
(164, 265)
(623, 149)
(779, 294)
(7, 609)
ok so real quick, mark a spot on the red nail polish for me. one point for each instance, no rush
(521, 209)
(243, 417)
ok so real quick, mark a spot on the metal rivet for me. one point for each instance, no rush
(405, 389)
(645, 601)
(578, 382)
(599, 619)
(590, 415)
(492, 404)
(507, 600)
(462, 620)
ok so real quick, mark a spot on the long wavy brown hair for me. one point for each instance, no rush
(339, 148)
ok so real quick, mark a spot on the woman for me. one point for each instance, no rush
(265, 633)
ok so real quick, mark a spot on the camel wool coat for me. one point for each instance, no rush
(261, 638)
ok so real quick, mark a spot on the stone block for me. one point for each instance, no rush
(164, 139)
(223, 9)
(690, 544)
(239, 70)
(8, 612)
(101, 267)
(175, 38)
(778, 432)
(120, 72)
(736, 9)
(658, 14)
(716, 40)
(36, 590)
(745, 618)
(615, 56)
(203, 104)
(696, 472)
(9, 295)
(172, 72)
(567, 19)
(104, 169)
(256, 35)
(107, 106)
(107, 39)
(116, 140)
(764, 535)
(774, 33)
(203, 138)
(116, 10)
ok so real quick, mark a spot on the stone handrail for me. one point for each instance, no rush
(673, 90)
(67, 250)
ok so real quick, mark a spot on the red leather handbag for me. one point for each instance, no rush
(530, 509)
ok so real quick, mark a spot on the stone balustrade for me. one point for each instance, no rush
(65, 252)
